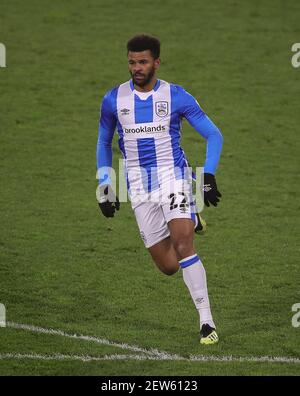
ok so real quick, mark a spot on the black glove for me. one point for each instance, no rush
(211, 193)
(108, 201)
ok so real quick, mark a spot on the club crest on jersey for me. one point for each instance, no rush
(161, 108)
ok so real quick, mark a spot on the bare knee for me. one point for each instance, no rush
(183, 246)
(165, 257)
(167, 266)
(181, 235)
(168, 270)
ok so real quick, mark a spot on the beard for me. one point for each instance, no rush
(146, 78)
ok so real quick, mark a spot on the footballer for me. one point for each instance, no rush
(147, 112)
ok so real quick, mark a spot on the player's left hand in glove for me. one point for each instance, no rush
(108, 201)
(210, 190)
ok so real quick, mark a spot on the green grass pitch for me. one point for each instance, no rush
(63, 266)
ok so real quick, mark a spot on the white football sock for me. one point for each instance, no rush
(194, 277)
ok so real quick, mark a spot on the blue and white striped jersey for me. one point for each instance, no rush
(149, 129)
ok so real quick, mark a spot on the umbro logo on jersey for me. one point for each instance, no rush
(162, 108)
(125, 111)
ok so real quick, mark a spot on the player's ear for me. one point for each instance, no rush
(157, 63)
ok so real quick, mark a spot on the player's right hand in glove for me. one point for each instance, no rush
(210, 190)
(108, 201)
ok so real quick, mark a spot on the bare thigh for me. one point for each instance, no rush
(182, 237)
(164, 256)
(167, 253)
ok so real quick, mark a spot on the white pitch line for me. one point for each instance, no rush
(247, 359)
(151, 354)
(87, 358)
(83, 358)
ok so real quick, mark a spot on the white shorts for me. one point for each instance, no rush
(152, 216)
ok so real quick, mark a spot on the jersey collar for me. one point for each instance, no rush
(155, 88)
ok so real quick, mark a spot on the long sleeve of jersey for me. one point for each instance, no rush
(205, 127)
(107, 125)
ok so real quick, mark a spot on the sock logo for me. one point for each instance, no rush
(199, 300)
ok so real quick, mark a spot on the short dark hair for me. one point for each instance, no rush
(143, 42)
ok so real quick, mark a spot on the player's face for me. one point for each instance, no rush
(142, 67)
